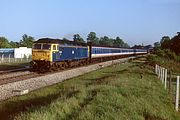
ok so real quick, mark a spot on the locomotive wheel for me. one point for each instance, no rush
(63, 66)
(42, 70)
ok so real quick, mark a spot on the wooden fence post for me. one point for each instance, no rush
(156, 69)
(170, 82)
(160, 72)
(163, 75)
(165, 79)
(177, 94)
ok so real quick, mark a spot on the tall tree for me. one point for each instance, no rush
(176, 44)
(137, 47)
(165, 42)
(14, 44)
(26, 41)
(106, 41)
(118, 42)
(93, 38)
(4, 43)
(78, 38)
(64, 39)
(125, 45)
(157, 46)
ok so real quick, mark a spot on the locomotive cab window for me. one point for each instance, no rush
(37, 46)
(54, 47)
(46, 47)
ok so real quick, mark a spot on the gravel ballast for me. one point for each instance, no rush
(25, 86)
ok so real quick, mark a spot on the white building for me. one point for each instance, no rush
(22, 52)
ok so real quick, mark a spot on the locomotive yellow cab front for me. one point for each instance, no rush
(41, 52)
(42, 56)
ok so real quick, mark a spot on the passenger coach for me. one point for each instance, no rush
(103, 52)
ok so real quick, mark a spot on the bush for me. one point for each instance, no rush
(168, 54)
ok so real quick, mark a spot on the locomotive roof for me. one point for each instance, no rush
(59, 41)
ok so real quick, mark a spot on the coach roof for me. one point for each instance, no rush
(59, 41)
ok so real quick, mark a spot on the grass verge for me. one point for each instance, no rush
(124, 91)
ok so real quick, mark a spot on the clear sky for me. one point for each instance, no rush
(135, 21)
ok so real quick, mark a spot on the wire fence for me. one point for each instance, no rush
(10, 58)
(14, 60)
(170, 81)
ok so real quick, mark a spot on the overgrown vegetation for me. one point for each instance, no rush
(166, 58)
(170, 44)
(166, 62)
(169, 55)
(125, 91)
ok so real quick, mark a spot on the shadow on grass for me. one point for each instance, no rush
(150, 117)
(11, 109)
(118, 72)
(76, 112)
(101, 80)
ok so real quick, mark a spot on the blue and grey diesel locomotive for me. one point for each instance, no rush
(55, 54)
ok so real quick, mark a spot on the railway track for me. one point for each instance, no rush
(9, 78)
(23, 75)
(15, 70)
(14, 75)
(19, 74)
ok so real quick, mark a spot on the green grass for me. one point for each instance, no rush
(116, 92)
